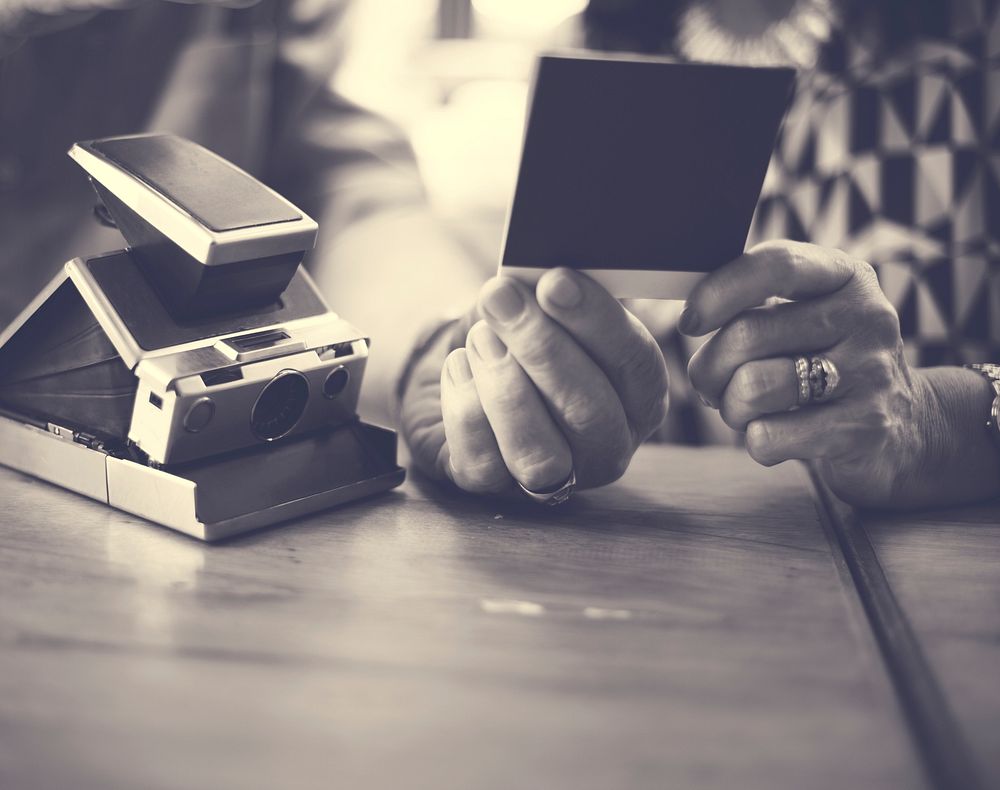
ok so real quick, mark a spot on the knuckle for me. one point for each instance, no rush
(773, 248)
(733, 415)
(865, 273)
(787, 261)
(583, 415)
(744, 394)
(643, 362)
(536, 347)
(746, 331)
(714, 292)
(423, 432)
(863, 434)
(506, 398)
(825, 321)
(850, 267)
(424, 446)
(536, 355)
(751, 383)
(781, 257)
(877, 425)
(759, 444)
(466, 414)
(480, 475)
(539, 469)
(884, 324)
(879, 370)
(645, 381)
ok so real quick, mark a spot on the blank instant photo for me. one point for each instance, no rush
(641, 172)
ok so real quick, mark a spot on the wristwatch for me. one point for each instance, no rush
(992, 374)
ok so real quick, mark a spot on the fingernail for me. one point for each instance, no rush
(486, 344)
(503, 301)
(688, 322)
(705, 401)
(562, 290)
(458, 367)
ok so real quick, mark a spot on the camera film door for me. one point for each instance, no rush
(229, 495)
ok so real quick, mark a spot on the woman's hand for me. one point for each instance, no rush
(550, 383)
(866, 438)
(882, 437)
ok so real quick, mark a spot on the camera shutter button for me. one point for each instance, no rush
(199, 415)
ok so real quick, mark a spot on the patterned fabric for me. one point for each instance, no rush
(893, 158)
(897, 160)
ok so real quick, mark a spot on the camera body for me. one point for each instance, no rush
(196, 378)
(216, 385)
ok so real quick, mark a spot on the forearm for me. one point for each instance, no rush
(959, 456)
(383, 260)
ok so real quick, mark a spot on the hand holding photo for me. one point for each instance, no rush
(641, 172)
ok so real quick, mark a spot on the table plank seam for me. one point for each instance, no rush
(945, 754)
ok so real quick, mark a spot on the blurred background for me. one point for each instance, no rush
(454, 74)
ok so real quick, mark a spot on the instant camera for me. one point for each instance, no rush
(195, 378)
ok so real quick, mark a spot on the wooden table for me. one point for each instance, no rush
(942, 570)
(698, 625)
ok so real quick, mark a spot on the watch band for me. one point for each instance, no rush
(991, 373)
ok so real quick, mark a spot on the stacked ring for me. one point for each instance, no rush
(816, 378)
(802, 368)
(823, 378)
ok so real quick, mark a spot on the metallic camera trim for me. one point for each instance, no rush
(210, 247)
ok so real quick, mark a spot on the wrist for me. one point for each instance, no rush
(958, 457)
(428, 352)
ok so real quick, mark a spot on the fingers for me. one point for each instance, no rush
(420, 414)
(541, 391)
(531, 444)
(615, 339)
(837, 431)
(472, 457)
(757, 388)
(787, 269)
(782, 329)
(771, 386)
(580, 398)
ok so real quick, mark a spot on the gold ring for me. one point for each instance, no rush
(823, 378)
(805, 391)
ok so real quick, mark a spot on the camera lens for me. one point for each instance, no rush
(279, 406)
(336, 382)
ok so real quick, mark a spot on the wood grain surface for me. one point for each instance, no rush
(944, 569)
(685, 628)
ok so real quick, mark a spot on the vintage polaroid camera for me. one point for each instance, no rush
(197, 378)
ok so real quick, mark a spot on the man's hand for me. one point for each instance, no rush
(561, 380)
(880, 439)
